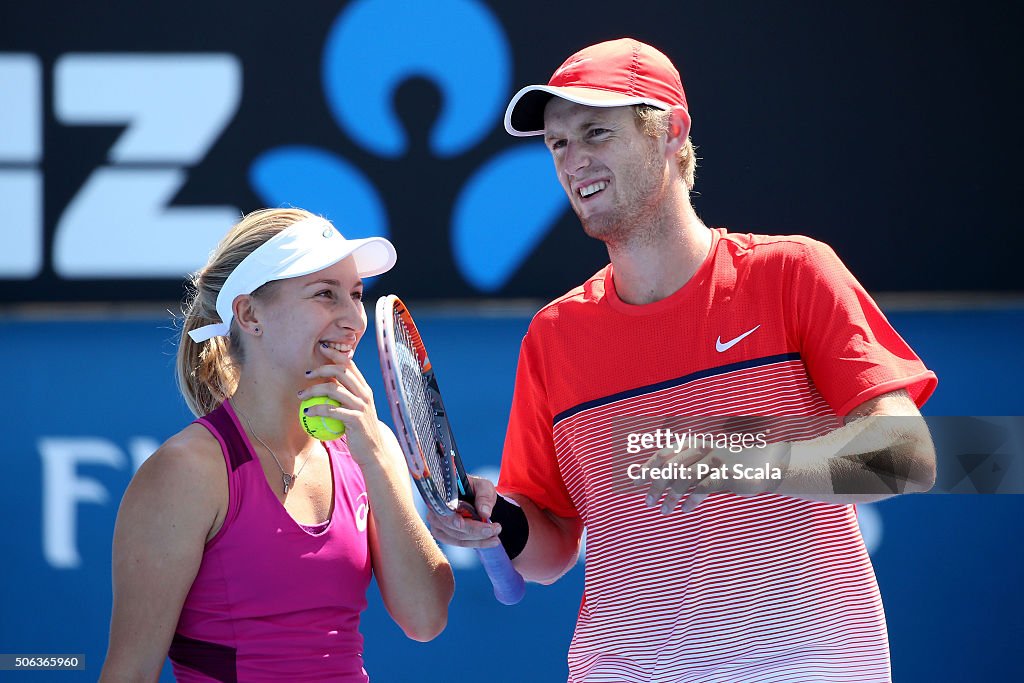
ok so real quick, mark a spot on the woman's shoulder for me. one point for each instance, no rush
(191, 459)
(193, 447)
(180, 489)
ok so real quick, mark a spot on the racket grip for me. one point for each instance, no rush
(509, 587)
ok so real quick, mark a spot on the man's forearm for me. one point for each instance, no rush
(869, 459)
(552, 546)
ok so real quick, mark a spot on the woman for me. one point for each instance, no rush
(243, 547)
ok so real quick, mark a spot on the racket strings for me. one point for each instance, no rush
(425, 430)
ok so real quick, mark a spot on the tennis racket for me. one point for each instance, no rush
(422, 428)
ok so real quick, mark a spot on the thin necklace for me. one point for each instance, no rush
(287, 479)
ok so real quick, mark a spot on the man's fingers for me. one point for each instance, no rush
(674, 475)
(692, 501)
(462, 531)
(442, 537)
(667, 463)
(484, 495)
(704, 488)
(656, 491)
(672, 498)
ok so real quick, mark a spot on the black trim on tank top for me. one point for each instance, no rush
(238, 449)
(211, 659)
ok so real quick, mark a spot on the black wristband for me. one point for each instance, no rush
(514, 528)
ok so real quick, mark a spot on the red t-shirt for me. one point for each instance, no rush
(741, 588)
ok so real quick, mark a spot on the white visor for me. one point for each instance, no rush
(302, 248)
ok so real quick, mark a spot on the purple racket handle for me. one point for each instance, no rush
(509, 587)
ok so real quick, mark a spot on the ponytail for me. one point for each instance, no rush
(207, 372)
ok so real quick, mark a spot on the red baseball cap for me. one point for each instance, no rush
(615, 73)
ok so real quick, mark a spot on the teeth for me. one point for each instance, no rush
(344, 348)
(591, 189)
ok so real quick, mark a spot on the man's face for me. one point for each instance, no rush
(613, 174)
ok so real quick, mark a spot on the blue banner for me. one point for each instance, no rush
(88, 399)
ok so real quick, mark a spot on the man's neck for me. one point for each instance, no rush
(657, 266)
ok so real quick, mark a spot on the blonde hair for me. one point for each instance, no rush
(207, 373)
(654, 122)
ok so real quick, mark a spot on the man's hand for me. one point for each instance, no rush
(883, 449)
(464, 531)
(699, 472)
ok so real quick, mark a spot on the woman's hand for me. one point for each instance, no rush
(413, 574)
(349, 388)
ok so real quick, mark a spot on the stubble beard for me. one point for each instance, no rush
(636, 219)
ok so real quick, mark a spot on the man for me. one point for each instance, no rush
(707, 560)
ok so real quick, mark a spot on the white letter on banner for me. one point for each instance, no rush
(63, 490)
(121, 222)
(140, 448)
(21, 181)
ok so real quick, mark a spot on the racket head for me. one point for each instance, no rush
(421, 424)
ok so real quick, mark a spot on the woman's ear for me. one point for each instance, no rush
(245, 315)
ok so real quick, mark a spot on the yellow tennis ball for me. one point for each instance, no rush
(322, 428)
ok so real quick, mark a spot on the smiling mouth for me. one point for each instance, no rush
(592, 189)
(337, 346)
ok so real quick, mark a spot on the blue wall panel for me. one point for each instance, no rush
(949, 567)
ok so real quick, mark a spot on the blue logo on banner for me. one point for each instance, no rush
(376, 45)
(507, 205)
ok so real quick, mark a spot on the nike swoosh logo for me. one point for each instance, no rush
(722, 347)
(569, 66)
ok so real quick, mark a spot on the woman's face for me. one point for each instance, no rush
(303, 313)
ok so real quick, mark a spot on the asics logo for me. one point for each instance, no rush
(721, 346)
(362, 511)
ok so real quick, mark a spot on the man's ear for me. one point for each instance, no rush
(245, 315)
(678, 130)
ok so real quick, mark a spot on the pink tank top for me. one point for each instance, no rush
(274, 600)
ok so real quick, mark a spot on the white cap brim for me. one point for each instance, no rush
(524, 116)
